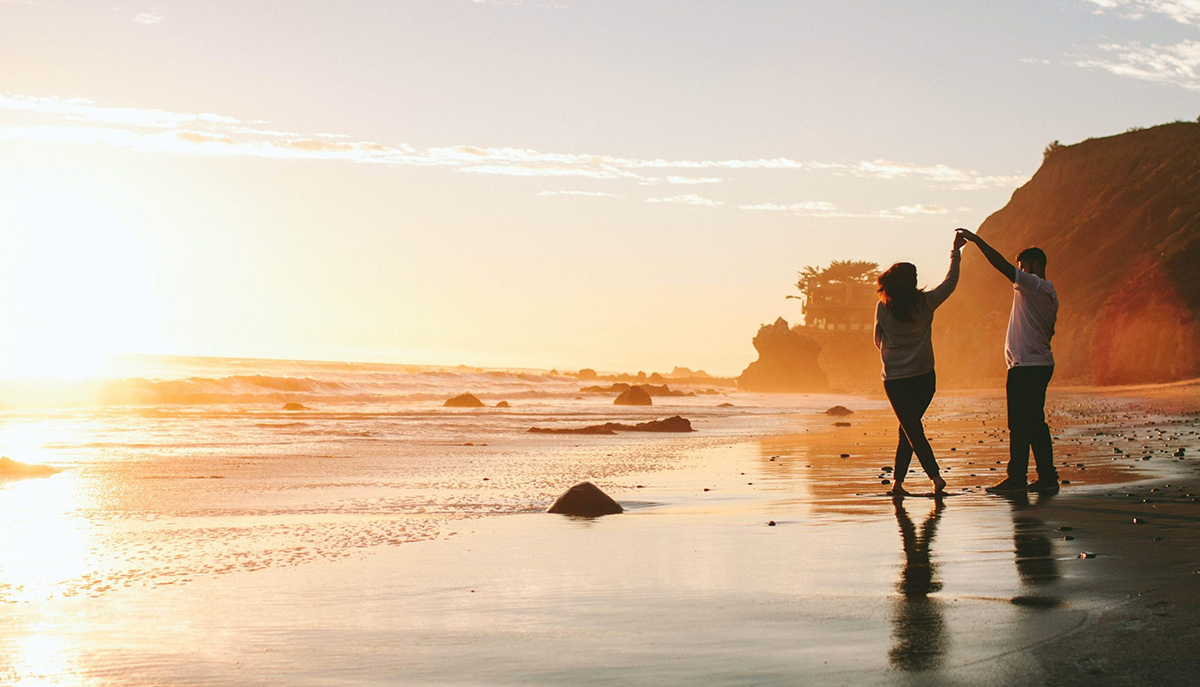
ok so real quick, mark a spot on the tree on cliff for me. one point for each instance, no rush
(838, 295)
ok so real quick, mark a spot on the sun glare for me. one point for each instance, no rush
(74, 284)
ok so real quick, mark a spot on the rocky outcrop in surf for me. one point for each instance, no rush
(633, 396)
(464, 401)
(787, 362)
(674, 423)
(11, 469)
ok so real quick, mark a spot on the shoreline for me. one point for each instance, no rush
(692, 585)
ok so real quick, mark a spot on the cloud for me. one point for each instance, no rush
(822, 209)
(941, 175)
(148, 18)
(922, 210)
(79, 120)
(792, 207)
(518, 3)
(1035, 60)
(687, 199)
(84, 110)
(694, 180)
(1175, 65)
(1182, 11)
(590, 194)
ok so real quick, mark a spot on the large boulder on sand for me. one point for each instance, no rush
(633, 396)
(463, 401)
(585, 499)
(787, 362)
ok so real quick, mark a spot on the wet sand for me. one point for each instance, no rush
(692, 585)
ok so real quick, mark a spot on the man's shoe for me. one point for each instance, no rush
(1044, 486)
(1008, 485)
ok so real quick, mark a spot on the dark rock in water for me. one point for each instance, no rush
(579, 398)
(657, 378)
(674, 423)
(787, 362)
(586, 373)
(503, 404)
(593, 429)
(615, 386)
(633, 396)
(671, 424)
(662, 390)
(725, 405)
(11, 469)
(294, 406)
(463, 401)
(585, 499)
(840, 411)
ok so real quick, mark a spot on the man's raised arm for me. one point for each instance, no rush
(1002, 266)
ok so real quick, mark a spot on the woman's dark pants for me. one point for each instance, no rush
(910, 397)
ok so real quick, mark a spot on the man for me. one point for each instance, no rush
(1030, 366)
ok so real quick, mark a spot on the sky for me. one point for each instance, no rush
(535, 183)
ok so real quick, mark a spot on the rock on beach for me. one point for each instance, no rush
(585, 499)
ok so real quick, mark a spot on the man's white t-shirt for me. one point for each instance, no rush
(1031, 322)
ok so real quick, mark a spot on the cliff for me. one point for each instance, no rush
(1119, 219)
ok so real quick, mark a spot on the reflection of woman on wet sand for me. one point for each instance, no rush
(903, 335)
(917, 624)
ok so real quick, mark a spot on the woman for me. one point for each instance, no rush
(903, 335)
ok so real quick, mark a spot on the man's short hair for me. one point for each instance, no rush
(1034, 254)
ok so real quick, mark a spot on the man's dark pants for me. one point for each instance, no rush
(1026, 388)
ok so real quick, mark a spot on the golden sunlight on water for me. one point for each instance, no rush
(42, 659)
(45, 542)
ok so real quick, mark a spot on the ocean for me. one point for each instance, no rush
(177, 468)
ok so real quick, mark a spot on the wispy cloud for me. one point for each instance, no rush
(1035, 60)
(1175, 65)
(519, 3)
(687, 199)
(1182, 11)
(820, 206)
(922, 210)
(590, 194)
(941, 175)
(78, 120)
(694, 180)
(148, 18)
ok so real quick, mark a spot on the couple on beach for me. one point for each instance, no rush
(903, 335)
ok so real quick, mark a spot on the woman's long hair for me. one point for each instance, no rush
(897, 288)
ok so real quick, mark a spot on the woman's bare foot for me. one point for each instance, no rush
(939, 485)
(897, 491)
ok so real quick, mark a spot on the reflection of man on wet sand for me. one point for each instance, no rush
(1030, 366)
(917, 624)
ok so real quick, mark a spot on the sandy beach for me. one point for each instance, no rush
(691, 585)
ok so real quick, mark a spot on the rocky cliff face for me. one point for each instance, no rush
(787, 362)
(1119, 219)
